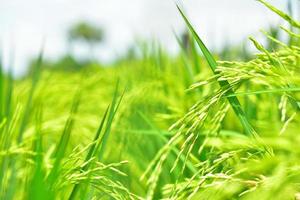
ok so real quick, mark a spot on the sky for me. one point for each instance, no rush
(24, 25)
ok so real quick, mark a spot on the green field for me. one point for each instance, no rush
(156, 125)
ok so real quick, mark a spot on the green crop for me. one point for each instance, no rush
(157, 126)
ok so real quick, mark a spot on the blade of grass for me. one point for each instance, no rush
(6, 102)
(98, 146)
(37, 187)
(64, 140)
(279, 90)
(91, 152)
(28, 105)
(235, 104)
(24, 120)
(113, 109)
(285, 16)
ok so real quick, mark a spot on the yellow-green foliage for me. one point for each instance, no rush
(156, 126)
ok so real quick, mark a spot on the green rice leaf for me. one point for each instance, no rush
(235, 104)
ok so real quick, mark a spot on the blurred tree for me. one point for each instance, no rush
(66, 63)
(87, 33)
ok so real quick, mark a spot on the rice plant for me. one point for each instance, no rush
(225, 168)
(157, 126)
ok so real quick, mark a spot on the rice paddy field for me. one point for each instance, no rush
(157, 126)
